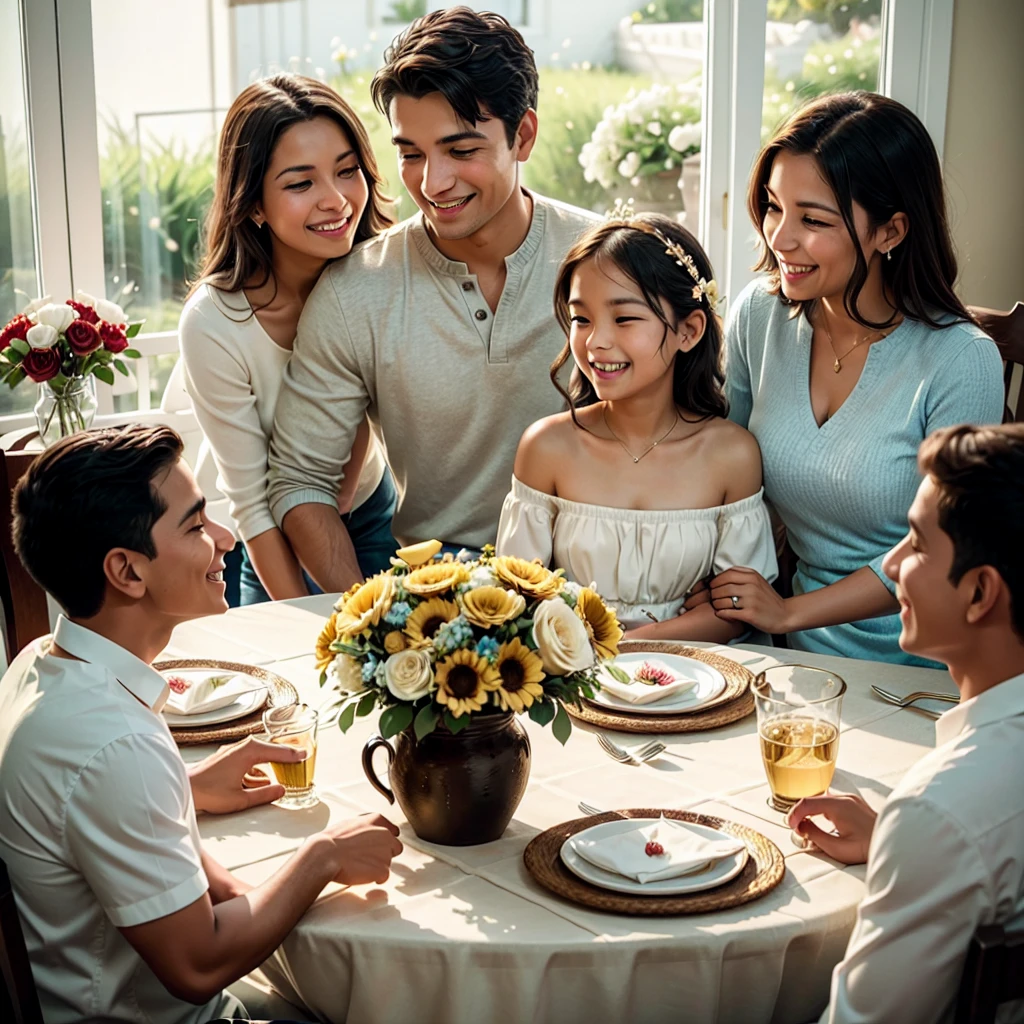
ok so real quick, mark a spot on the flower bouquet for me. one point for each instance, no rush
(61, 346)
(445, 641)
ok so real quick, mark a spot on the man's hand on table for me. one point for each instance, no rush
(854, 821)
(227, 781)
(362, 848)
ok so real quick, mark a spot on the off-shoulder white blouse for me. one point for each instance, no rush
(641, 561)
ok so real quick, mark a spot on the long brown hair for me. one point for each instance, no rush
(698, 382)
(873, 151)
(237, 251)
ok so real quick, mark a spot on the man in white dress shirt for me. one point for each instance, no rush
(946, 853)
(125, 917)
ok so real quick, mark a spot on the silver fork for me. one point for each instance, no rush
(636, 756)
(912, 698)
(586, 808)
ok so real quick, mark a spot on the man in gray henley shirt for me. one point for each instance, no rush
(442, 328)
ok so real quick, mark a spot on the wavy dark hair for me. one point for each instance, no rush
(237, 251)
(698, 381)
(875, 152)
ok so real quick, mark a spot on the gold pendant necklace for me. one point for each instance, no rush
(838, 364)
(650, 448)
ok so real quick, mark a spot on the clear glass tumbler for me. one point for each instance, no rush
(294, 726)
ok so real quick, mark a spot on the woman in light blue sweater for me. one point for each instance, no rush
(850, 350)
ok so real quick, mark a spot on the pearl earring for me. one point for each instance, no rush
(888, 254)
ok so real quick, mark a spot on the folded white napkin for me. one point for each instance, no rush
(195, 692)
(645, 693)
(686, 851)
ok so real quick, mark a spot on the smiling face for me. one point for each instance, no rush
(460, 175)
(805, 230)
(616, 338)
(314, 191)
(185, 579)
(933, 611)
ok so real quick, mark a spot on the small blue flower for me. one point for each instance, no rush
(453, 635)
(398, 613)
(369, 668)
(487, 647)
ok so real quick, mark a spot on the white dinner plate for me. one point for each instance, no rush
(246, 704)
(710, 683)
(719, 873)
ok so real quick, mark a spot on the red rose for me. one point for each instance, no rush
(114, 339)
(86, 313)
(82, 337)
(41, 364)
(17, 328)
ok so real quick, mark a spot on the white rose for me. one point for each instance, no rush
(85, 298)
(630, 165)
(408, 674)
(109, 311)
(683, 136)
(654, 127)
(41, 336)
(56, 316)
(561, 638)
(349, 674)
(37, 304)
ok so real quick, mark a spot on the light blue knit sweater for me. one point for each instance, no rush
(843, 490)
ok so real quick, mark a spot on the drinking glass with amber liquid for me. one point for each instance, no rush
(294, 726)
(798, 726)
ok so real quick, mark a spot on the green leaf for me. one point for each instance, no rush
(616, 673)
(105, 374)
(347, 716)
(426, 720)
(21, 346)
(542, 711)
(16, 376)
(323, 677)
(561, 727)
(134, 329)
(395, 719)
(121, 368)
(131, 353)
(455, 725)
(12, 355)
(366, 704)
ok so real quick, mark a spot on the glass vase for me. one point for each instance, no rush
(66, 408)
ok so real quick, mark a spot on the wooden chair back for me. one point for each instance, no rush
(993, 975)
(1007, 331)
(26, 615)
(19, 1002)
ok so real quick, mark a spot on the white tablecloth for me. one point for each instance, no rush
(464, 935)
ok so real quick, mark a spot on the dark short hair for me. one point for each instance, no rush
(698, 381)
(87, 494)
(873, 151)
(477, 61)
(979, 472)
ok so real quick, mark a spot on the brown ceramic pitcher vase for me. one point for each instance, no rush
(456, 789)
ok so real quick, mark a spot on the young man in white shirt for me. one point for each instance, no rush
(125, 917)
(441, 329)
(946, 853)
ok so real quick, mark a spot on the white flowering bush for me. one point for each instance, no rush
(649, 131)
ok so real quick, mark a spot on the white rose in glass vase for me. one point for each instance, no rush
(41, 336)
(109, 311)
(408, 674)
(561, 638)
(57, 316)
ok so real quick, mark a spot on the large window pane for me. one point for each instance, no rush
(814, 47)
(19, 279)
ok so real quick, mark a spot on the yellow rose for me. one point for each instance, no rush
(491, 606)
(529, 578)
(367, 606)
(324, 654)
(435, 578)
(395, 642)
(602, 626)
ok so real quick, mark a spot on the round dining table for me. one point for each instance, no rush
(464, 935)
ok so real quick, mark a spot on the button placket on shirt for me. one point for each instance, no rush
(477, 309)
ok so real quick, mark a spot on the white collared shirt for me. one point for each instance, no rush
(97, 827)
(947, 856)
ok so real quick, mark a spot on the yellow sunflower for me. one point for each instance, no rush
(529, 578)
(427, 618)
(602, 626)
(464, 680)
(491, 606)
(367, 606)
(395, 642)
(324, 654)
(435, 578)
(520, 672)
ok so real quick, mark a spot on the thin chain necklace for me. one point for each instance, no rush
(838, 364)
(650, 448)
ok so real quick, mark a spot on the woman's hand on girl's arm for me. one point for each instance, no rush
(861, 595)
(699, 624)
(276, 565)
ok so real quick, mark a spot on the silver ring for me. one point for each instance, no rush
(735, 601)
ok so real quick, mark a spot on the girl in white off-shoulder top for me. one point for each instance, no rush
(643, 487)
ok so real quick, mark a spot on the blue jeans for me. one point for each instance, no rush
(369, 527)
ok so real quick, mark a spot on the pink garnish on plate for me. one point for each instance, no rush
(653, 849)
(177, 684)
(653, 675)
